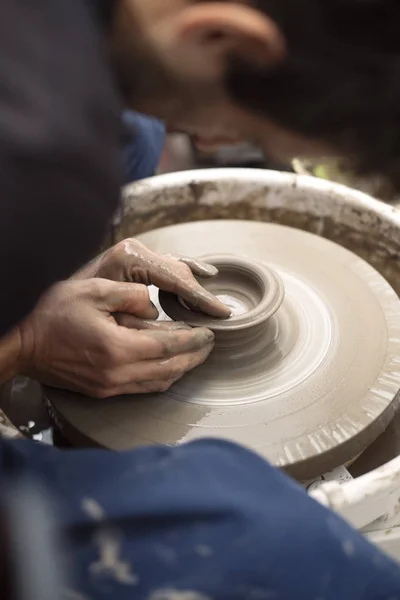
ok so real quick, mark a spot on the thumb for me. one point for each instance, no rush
(131, 298)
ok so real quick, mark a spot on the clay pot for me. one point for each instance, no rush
(252, 291)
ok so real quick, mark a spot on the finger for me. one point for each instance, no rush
(151, 344)
(121, 297)
(151, 387)
(182, 283)
(176, 277)
(198, 267)
(132, 322)
(192, 308)
(200, 299)
(155, 376)
(189, 289)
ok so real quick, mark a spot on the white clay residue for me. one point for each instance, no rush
(110, 563)
(93, 509)
(170, 594)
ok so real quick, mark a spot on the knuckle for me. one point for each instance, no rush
(101, 393)
(175, 371)
(107, 356)
(96, 389)
(142, 291)
(115, 253)
(170, 347)
(164, 344)
(98, 288)
(185, 271)
(109, 379)
(162, 386)
(118, 254)
(174, 343)
(137, 294)
(133, 242)
(130, 246)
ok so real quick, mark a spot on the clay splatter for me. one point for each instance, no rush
(110, 564)
(348, 548)
(93, 509)
(169, 594)
(204, 551)
(109, 545)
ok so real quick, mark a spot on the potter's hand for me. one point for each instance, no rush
(73, 341)
(132, 261)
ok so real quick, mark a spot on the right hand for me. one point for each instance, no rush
(75, 340)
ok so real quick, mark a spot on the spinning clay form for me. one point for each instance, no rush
(251, 290)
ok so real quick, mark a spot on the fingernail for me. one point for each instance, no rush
(227, 311)
(154, 309)
(211, 270)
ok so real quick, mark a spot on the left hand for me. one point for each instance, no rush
(73, 340)
(131, 261)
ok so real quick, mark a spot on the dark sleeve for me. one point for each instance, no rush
(59, 131)
(103, 11)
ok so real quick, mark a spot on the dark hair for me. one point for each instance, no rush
(340, 82)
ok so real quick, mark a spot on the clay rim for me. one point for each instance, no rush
(269, 283)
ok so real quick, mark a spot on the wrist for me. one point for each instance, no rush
(11, 355)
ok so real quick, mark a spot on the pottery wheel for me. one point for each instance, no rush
(309, 389)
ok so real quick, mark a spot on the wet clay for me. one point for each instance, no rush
(252, 291)
(308, 387)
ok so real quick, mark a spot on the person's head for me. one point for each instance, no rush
(295, 76)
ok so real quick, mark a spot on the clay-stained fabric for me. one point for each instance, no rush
(59, 147)
(204, 521)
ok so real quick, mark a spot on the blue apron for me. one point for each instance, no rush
(204, 521)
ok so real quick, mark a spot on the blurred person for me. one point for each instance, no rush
(207, 520)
